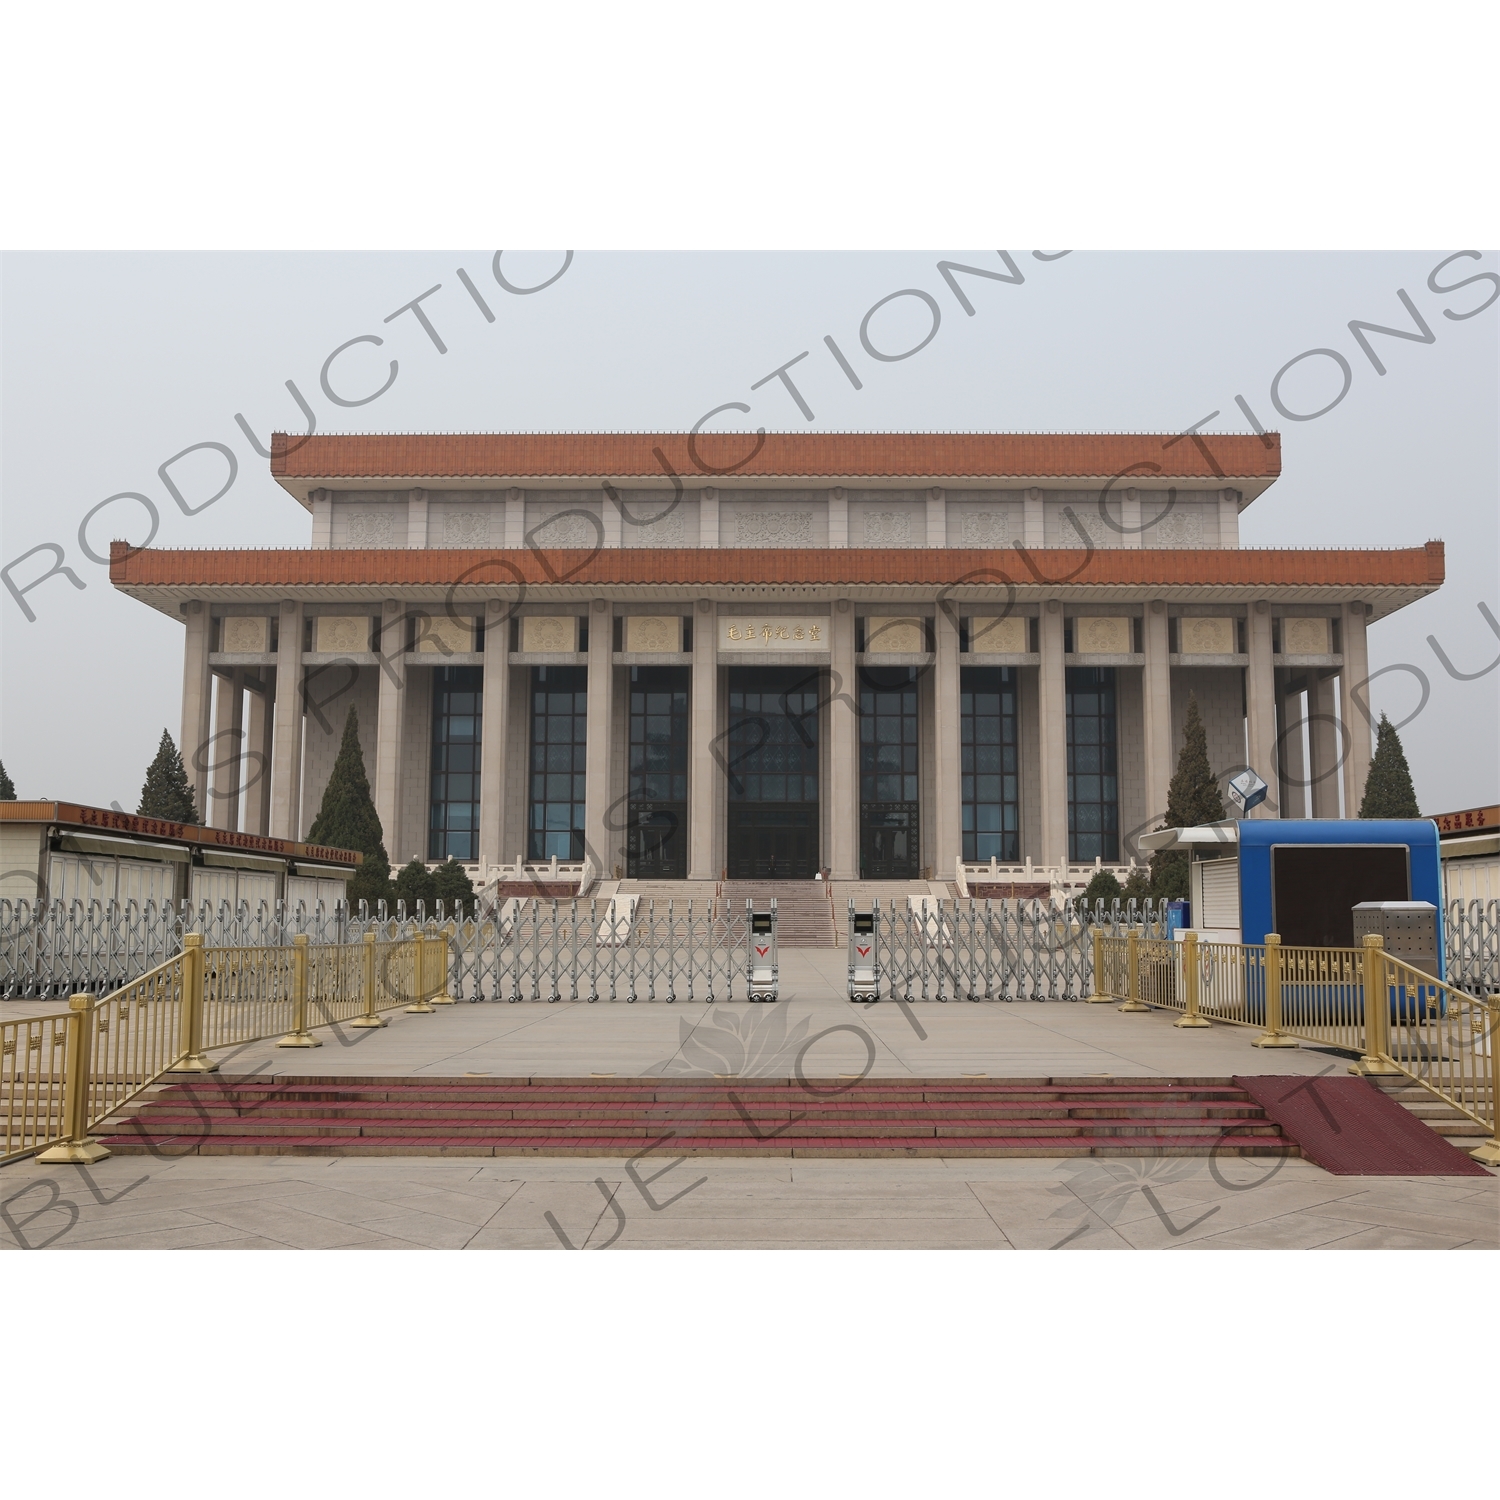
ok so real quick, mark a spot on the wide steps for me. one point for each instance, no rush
(750, 1117)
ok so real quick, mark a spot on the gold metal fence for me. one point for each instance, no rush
(62, 1075)
(1399, 1020)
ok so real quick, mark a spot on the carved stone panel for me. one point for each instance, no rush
(774, 528)
(443, 635)
(895, 633)
(1206, 636)
(653, 632)
(1102, 635)
(1301, 637)
(888, 528)
(341, 633)
(985, 528)
(245, 633)
(549, 632)
(376, 528)
(466, 529)
(995, 634)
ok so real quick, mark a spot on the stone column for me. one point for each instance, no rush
(1130, 520)
(1229, 518)
(838, 517)
(1291, 771)
(515, 519)
(493, 734)
(228, 751)
(937, 517)
(1260, 706)
(1033, 525)
(601, 840)
(1326, 743)
(948, 843)
(1355, 713)
(322, 511)
(613, 521)
(197, 689)
(390, 724)
(842, 783)
(416, 519)
(259, 749)
(1156, 702)
(708, 518)
(705, 776)
(286, 762)
(1053, 715)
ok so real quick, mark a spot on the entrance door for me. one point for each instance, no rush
(656, 839)
(772, 765)
(889, 822)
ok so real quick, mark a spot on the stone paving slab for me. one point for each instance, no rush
(661, 1202)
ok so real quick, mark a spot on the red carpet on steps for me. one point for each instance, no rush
(1348, 1127)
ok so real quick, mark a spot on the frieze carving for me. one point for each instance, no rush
(466, 529)
(903, 633)
(659, 530)
(1178, 528)
(372, 528)
(1207, 636)
(245, 633)
(1305, 637)
(774, 528)
(1102, 635)
(653, 632)
(888, 528)
(989, 528)
(549, 633)
(993, 633)
(341, 633)
(566, 531)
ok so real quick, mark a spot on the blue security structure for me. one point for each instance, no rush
(1303, 877)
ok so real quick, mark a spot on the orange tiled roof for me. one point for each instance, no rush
(1408, 567)
(721, 458)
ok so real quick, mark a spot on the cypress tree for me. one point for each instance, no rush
(167, 793)
(451, 884)
(7, 786)
(1103, 887)
(347, 819)
(1193, 798)
(415, 883)
(1389, 792)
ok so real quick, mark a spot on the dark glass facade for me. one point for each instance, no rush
(457, 703)
(656, 837)
(889, 788)
(559, 738)
(991, 767)
(1093, 766)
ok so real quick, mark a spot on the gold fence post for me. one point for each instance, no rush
(1488, 1152)
(192, 1058)
(1376, 1062)
(444, 944)
(1133, 973)
(422, 1007)
(1273, 1036)
(369, 1018)
(299, 1036)
(1101, 996)
(1190, 1016)
(77, 1147)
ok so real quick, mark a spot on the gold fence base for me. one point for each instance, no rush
(1375, 1067)
(1488, 1154)
(1275, 1039)
(421, 1008)
(365, 1023)
(194, 1062)
(1135, 1005)
(82, 1153)
(299, 1039)
(1197, 1021)
(1099, 999)
(444, 1000)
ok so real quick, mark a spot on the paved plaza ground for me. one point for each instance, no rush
(544, 1203)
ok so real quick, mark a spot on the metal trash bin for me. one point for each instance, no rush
(864, 956)
(762, 973)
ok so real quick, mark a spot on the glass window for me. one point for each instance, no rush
(453, 821)
(559, 738)
(1093, 768)
(990, 768)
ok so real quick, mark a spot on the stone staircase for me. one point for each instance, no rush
(752, 1117)
(804, 914)
(1450, 1123)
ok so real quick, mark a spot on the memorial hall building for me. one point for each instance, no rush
(886, 656)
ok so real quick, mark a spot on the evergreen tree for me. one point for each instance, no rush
(1193, 798)
(167, 792)
(1137, 886)
(451, 884)
(1389, 792)
(415, 883)
(7, 786)
(347, 820)
(1103, 887)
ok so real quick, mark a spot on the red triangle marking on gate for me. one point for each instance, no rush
(762, 951)
(861, 951)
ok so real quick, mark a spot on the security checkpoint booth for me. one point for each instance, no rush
(1304, 878)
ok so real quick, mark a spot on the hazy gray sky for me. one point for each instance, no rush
(114, 362)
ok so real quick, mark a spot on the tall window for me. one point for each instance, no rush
(773, 736)
(559, 734)
(991, 780)
(656, 837)
(889, 806)
(456, 706)
(1093, 771)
